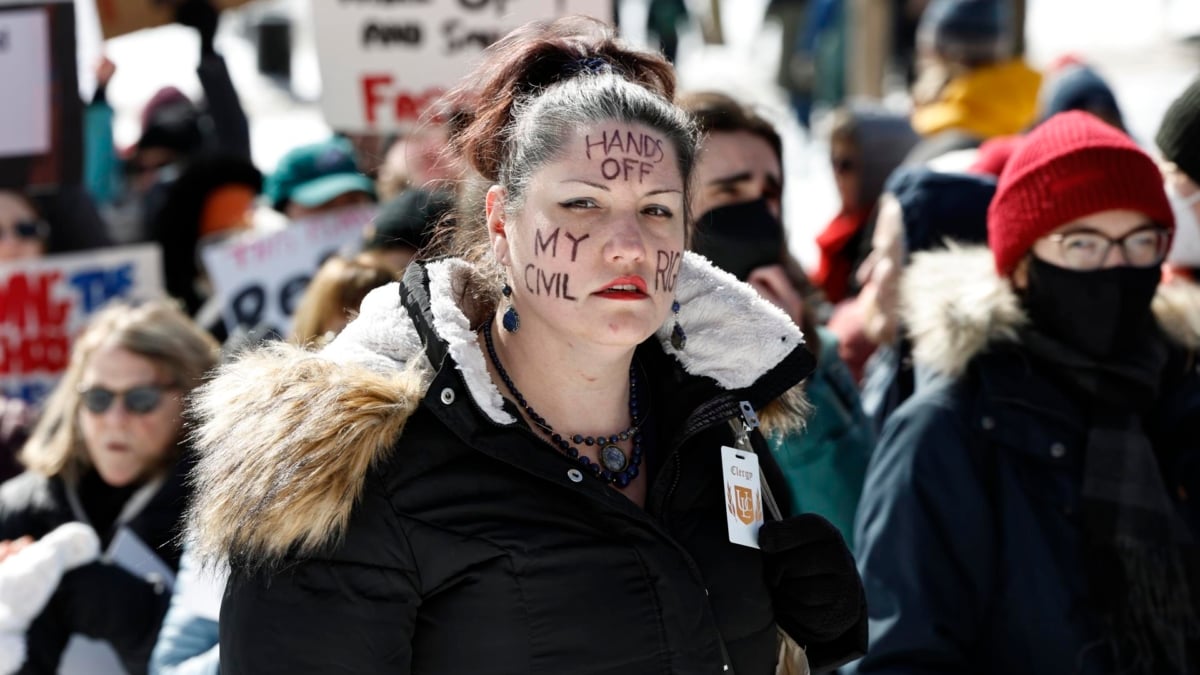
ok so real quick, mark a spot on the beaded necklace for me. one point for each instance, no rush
(614, 466)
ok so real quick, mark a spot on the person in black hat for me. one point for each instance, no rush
(922, 210)
(404, 226)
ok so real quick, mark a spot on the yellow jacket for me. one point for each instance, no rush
(995, 100)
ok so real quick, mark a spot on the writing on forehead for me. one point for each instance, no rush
(624, 154)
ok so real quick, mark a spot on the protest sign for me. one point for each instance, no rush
(118, 17)
(258, 279)
(41, 129)
(45, 302)
(384, 62)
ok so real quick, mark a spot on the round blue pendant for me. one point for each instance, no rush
(613, 458)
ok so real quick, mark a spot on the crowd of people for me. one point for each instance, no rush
(970, 431)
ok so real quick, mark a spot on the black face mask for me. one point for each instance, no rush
(1100, 312)
(740, 237)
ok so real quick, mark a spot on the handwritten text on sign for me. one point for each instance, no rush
(385, 62)
(44, 303)
(258, 280)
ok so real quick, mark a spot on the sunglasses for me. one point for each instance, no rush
(137, 400)
(25, 229)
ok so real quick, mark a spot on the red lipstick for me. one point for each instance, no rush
(624, 288)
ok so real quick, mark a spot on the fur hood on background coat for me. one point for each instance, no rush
(955, 306)
(285, 437)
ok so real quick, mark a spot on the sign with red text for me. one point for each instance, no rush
(41, 127)
(45, 302)
(258, 279)
(384, 62)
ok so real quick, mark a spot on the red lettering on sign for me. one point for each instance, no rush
(405, 106)
(39, 342)
(25, 299)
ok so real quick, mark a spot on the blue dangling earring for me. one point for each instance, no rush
(678, 337)
(511, 320)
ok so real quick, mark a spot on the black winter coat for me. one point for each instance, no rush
(472, 546)
(969, 532)
(99, 600)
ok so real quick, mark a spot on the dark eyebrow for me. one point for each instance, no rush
(734, 178)
(605, 187)
(587, 182)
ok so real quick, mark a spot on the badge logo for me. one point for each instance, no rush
(743, 504)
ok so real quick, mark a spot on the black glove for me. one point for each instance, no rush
(815, 587)
(201, 15)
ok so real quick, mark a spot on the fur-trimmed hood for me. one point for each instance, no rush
(286, 436)
(955, 306)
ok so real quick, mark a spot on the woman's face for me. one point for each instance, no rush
(593, 253)
(20, 238)
(128, 446)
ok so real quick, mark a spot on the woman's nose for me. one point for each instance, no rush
(626, 243)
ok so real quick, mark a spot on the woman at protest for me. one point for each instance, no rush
(477, 480)
(1033, 510)
(107, 452)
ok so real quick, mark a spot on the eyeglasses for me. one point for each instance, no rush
(137, 400)
(26, 229)
(1087, 249)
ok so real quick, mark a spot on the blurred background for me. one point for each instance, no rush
(1147, 51)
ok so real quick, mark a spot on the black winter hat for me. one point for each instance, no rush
(1179, 134)
(971, 32)
(1080, 88)
(409, 219)
(939, 206)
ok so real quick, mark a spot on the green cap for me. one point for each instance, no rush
(311, 175)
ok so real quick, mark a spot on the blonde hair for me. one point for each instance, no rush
(338, 288)
(157, 331)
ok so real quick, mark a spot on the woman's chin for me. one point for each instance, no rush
(118, 476)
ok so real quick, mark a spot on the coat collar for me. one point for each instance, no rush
(285, 437)
(427, 317)
(955, 307)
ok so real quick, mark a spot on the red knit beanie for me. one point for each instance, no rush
(1070, 166)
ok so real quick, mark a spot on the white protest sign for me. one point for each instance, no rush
(383, 62)
(25, 71)
(45, 302)
(258, 279)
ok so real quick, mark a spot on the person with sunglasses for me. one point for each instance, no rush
(1032, 507)
(108, 451)
(23, 233)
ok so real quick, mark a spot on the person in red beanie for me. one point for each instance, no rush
(1031, 509)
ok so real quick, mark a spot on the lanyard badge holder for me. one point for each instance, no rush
(746, 491)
